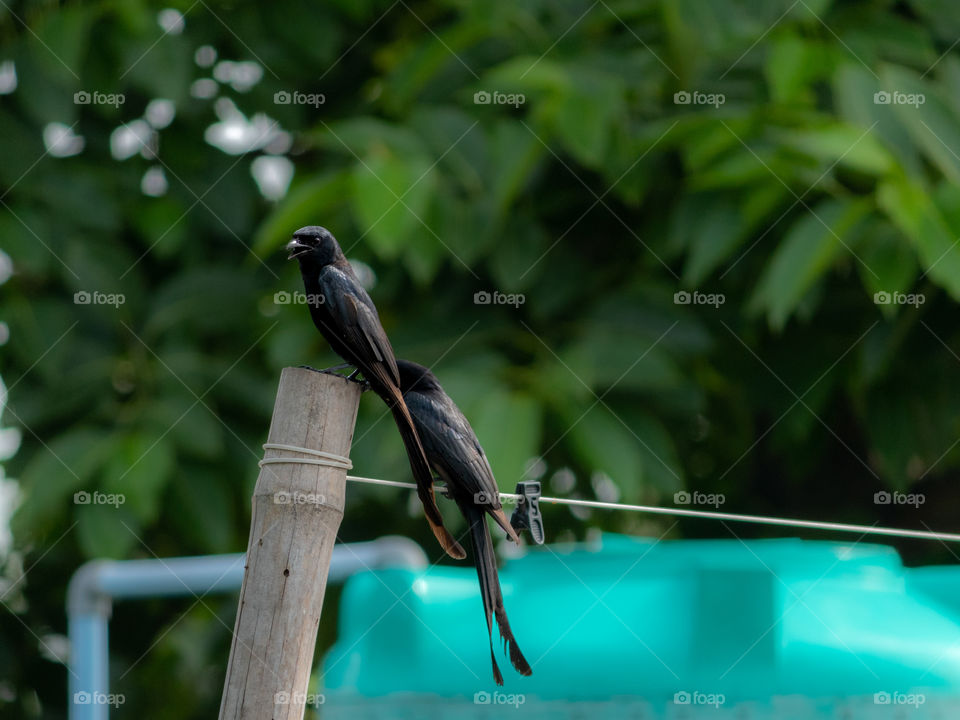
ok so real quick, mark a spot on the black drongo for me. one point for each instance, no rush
(346, 316)
(456, 456)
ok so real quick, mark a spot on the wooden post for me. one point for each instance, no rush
(297, 509)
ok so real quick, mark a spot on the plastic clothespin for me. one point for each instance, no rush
(527, 515)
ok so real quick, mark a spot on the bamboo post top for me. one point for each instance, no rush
(297, 508)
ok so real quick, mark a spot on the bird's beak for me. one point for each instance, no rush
(295, 248)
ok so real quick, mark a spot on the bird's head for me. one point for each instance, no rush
(416, 377)
(314, 244)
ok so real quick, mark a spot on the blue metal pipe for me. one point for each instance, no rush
(95, 585)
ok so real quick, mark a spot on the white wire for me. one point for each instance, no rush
(733, 517)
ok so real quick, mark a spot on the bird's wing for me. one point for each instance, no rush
(451, 444)
(354, 319)
(361, 327)
(446, 437)
(421, 472)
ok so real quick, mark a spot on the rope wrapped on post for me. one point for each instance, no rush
(322, 458)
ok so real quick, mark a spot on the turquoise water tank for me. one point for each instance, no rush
(637, 628)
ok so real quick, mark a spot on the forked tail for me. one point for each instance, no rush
(486, 562)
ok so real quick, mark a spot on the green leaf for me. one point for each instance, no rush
(581, 102)
(739, 167)
(508, 426)
(192, 427)
(913, 211)
(793, 64)
(806, 253)
(938, 17)
(602, 360)
(854, 89)
(602, 443)
(306, 204)
(702, 31)
(20, 146)
(106, 531)
(912, 421)
(294, 340)
(60, 40)
(163, 72)
(514, 151)
(215, 288)
(458, 140)
(661, 465)
(527, 74)
(712, 225)
(63, 466)
(20, 232)
(466, 225)
(876, 33)
(891, 261)
(140, 470)
(390, 196)
(946, 197)
(522, 243)
(359, 136)
(704, 142)
(585, 115)
(837, 143)
(931, 123)
(424, 253)
(195, 491)
(158, 225)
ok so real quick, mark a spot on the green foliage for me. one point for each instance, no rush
(786, 190)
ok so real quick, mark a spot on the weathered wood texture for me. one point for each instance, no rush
(297, 509)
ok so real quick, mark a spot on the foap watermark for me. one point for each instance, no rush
(898, 498)
(85, 97)
(695, 97)
(483, 498)
(899, 698)
(498, 698)
(312, 699)
(295, 97)
(695, 697)
(298, 298)
(898, 298)
(882, 97)
(683, 297)
(96, 497)
(498, 298)
(696, 497)
(294, 497)
(486, 97)
(86, 297)
(99, 698)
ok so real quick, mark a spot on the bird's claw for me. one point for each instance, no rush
(329, 370)
(352, 377)
(333, 371)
